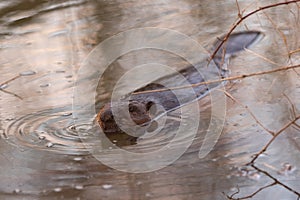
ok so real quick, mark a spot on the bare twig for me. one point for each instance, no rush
(239, 10)
(251, 195)
(245, 17)
(273, 138)
(294, 51)
(276, 181)
(249, 111)
(8, 81)
(295, 117)
(291, 104)
(262, 57)
(11, 93)
(279, 32)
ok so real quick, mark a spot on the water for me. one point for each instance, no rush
(44, 44)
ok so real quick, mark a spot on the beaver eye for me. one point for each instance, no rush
(107, 117)
(132, 108)
(149, 104)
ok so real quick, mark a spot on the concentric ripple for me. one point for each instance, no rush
(51, 130)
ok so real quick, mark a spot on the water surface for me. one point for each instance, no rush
(42, 154)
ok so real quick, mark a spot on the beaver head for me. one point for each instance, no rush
(139, 113)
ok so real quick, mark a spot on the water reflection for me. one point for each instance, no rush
(41, 154)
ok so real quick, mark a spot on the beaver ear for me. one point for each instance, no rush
(149, 104)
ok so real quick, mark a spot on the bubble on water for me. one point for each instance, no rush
(254, 175)
(77, 158)
(226, 155)
(66, 114)
(148, 194)
(27, 73)
(58, 189)
(78, 187)
(106, 186)
(17, 190)
(3, 86)
(45, 85)
(49, 144)
(42, 137)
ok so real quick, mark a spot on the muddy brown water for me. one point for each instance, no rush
(45, 155)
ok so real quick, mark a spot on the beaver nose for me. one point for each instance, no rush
(104, 116)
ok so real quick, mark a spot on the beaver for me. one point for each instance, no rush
(140, 104)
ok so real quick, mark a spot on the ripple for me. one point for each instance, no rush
(51, 130)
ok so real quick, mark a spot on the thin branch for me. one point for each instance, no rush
(245, 17)
(294, 51)
(220, 80)
(262, 57)
(291, 104)
(249, 111)
(276, 180)
(239, 10)
(279, 32)
(297, 125)
(273, 138)
(232, 195)
(11, 93)
(10, 80)
(253, 194)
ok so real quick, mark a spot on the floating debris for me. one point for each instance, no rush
(58, 189)
(45, 85)
(27, 73)
(286, 169)
(60, 71)
(42, 137)
(69, 76)
(247, 172)
(66, 114)
(49, 144)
